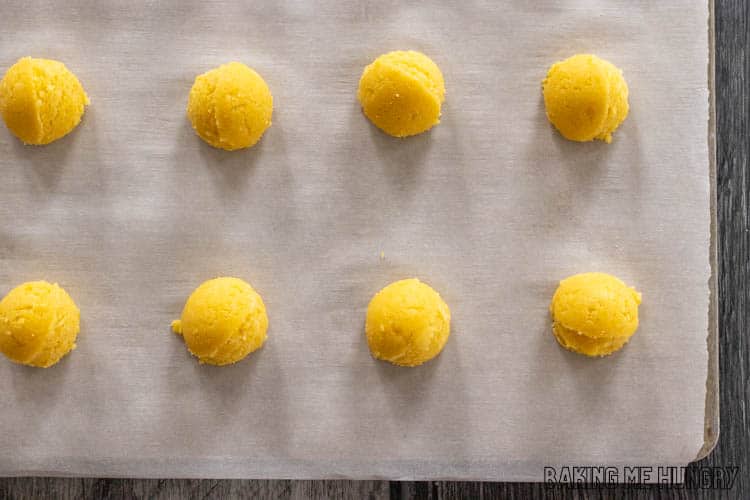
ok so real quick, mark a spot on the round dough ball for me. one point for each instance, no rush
(585, 97)
(223, 321)
(230, 106)
(402, 92)
(594, 313)
(407, 323)
(41, 100)
(39, 324)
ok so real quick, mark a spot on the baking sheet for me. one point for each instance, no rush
(132, 211)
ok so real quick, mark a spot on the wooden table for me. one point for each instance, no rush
(732, 18)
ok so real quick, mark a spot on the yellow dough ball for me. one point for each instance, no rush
(402, 92)
(39, 324)
(594, 313)
(41, 100)
(223, 321)
(230, 106)
(407, 323)
(585, 97)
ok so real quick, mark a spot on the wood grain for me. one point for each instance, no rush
(732, 18)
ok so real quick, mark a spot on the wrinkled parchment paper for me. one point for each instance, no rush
(132, 211)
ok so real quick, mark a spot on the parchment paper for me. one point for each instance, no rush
(132, 211)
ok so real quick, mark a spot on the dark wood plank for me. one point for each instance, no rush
(733, 189)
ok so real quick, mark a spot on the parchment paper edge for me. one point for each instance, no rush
(711, 426)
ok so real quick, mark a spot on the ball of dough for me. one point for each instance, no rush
(407, 323)
(41, 100)
(594, 313)
(230, 106)
(402, 92)
(586, 98)
(223, 321)
(39, 324)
